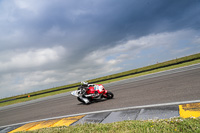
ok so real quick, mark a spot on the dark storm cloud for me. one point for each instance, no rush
(103, 23)
(56, 40)
(111, 21)
(108, 22)
(84, 26)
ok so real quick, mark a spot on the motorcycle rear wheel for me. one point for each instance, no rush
(109, 95)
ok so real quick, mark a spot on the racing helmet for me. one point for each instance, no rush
(85, 84)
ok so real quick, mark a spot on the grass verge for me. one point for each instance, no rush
(189, 125)
(176, 63)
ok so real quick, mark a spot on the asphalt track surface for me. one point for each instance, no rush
(173, 87)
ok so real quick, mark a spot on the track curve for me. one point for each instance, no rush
(172, 87)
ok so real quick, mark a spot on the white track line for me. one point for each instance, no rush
(110, 110)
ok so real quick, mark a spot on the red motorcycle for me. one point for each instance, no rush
(91, 93)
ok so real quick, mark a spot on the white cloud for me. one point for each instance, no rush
(98, 63)
(197, 40)
(31, 6)
(161, 45)
(31, 58)
(24, 82)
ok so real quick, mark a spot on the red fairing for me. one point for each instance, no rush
(90, 90)
(99, 88)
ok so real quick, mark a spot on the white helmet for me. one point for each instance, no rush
(84, 83)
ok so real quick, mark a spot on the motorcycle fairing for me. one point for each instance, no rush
(75, 93)
(97, 88)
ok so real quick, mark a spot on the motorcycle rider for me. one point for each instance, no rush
(88, 93)
(85, 85)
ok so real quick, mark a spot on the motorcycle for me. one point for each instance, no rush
(92, 93)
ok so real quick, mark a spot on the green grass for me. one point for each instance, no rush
(173, 125)
(188, 60)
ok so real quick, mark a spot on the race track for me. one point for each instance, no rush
(173, 87)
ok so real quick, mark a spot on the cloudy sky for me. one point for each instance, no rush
(50, 43)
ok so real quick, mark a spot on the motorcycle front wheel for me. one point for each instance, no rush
(109, 95)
